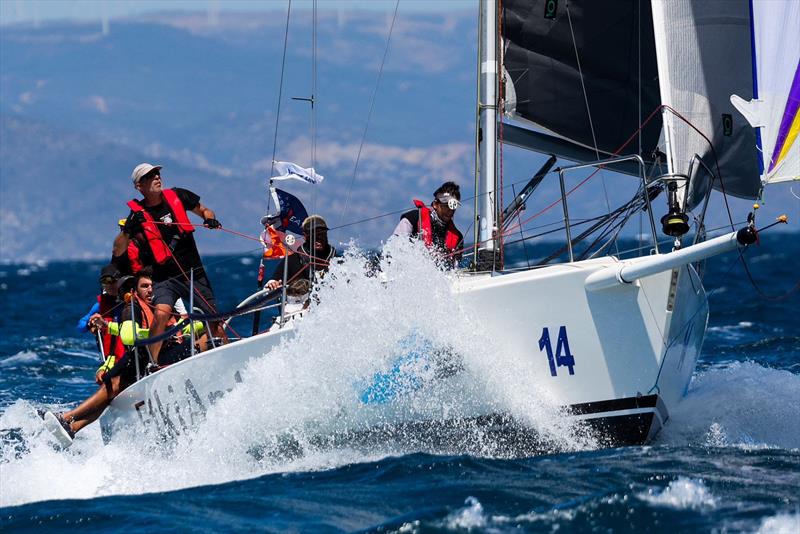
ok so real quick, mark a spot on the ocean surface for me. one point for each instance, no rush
(728, 460)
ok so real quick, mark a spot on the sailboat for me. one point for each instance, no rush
(686, 96)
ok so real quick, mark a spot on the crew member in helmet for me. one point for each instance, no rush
(434, 224)
(161, 225)
(314, 256)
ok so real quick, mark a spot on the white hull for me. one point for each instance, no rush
(634, 348)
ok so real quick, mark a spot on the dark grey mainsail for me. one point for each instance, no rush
(545, 82)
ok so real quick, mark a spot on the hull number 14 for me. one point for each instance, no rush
(563, 356)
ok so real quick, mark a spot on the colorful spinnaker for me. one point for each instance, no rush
(776, 75)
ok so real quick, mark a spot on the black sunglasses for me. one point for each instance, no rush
(107, 280)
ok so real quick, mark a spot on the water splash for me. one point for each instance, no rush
(740, 404)
(780, 524)
(298, 401)
(681, 494)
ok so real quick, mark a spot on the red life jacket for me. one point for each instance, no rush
(424, 228)
(161, 251)
(111, 344)
(133, 256)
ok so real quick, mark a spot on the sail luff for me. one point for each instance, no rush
(790, 124)
(665, 87)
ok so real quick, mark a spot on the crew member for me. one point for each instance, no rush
(130, 262)
(160, 224)
(314, 256)
(107, 308)
(434, 224)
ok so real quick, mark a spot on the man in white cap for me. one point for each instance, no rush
(434, 224)
(160, 223)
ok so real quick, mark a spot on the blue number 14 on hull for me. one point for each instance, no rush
(563, 357)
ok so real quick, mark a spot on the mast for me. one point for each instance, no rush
(486, 171)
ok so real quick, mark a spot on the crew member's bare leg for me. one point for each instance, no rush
(90, 409)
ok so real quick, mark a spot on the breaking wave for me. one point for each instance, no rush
(308, 386)
(739, 404)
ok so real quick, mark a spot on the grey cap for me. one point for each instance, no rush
(314, 222)
(110, 270)
(141, 170)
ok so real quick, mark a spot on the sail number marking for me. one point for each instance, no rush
(563, 356)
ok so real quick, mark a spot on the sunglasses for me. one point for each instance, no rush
(149, 176)
(451, 203)
(107, 280)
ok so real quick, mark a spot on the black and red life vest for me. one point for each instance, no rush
(108, 307)
(425, 229)
(160, 249)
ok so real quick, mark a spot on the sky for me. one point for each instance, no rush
(391, 149)
(37, 11)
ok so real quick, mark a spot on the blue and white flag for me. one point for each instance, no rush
(286, 170)
(291, 213)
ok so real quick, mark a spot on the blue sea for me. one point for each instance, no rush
(728, 460)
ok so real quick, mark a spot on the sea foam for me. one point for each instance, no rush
(308, 386)
(740, 404)
(681, 494)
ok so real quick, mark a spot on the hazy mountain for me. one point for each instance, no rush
(80, 108)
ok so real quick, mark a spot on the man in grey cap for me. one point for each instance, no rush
(160, 223)
(313, 256)
(434, 224)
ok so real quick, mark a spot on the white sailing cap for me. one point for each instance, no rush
(141, 170)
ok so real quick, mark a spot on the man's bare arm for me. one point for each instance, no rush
(204, 212)
(209, 218)
(120, 244)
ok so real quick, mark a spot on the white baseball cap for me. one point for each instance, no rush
(141, 170)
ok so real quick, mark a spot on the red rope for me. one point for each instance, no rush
(188, 279)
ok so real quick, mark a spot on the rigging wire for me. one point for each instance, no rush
(589, 112)
(369, 114)
(499, 105)
(280, 96)
(313, 99)
(477, 122)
